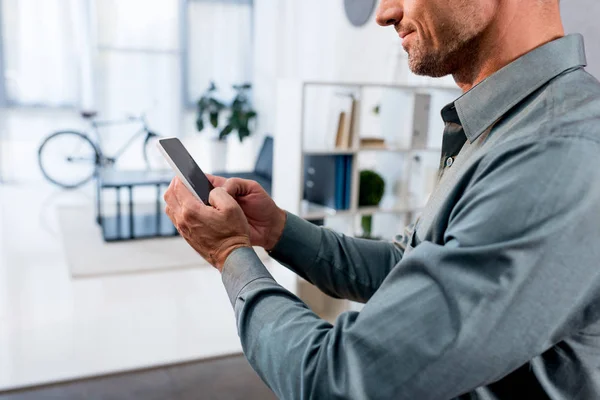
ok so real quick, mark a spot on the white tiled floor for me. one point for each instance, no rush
(53, 327)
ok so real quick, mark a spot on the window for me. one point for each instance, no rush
(138, 62)
(40, 52)
(219, 42)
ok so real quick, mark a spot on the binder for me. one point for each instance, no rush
(327, 180)
(348, 183)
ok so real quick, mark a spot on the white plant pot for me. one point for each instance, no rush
(210, 154)
(241, 156)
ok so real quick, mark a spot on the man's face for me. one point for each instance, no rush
(439, 35)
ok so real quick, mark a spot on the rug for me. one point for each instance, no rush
(87, 254)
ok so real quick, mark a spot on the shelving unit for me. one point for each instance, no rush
(297, 135)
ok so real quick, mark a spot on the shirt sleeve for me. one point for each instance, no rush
(341, 266)
(514, 276)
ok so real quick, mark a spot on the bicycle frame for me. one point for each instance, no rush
(97, 125)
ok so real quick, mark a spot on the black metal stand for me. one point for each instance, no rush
(134, 225)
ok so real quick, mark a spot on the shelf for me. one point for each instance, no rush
(429, 149)
(360, 85)
(387, 210)
(316, 152)
(310, 210)
(313, 211)
(355, 151)
(398, 149)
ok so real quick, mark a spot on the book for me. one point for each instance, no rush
(340, 182)
(352, 119)
(348, 183)
(343, 108)
(341, 136)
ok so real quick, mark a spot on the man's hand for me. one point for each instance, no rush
(266, 220)
(213, 231)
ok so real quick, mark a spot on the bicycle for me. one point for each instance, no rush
(71, 158)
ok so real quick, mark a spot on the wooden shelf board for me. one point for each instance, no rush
(310, 210)
(402, 209)
(314, 152)
(398, 149)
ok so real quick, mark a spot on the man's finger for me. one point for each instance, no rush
(221, 200)
(171, 195)
(169, 212)
(169, 192)
(237, 186)
(217, 181)
(182, 193)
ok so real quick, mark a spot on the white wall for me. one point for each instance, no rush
(313, 40)
(582, 16)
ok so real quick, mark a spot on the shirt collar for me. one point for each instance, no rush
(488, 101)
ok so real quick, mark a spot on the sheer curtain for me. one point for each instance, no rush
(138, 68)
(219, 45)
(40, 53)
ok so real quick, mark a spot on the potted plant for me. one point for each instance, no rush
(371, 189)
(240, 115)
(224, 119)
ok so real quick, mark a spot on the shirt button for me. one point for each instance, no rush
(449, 162)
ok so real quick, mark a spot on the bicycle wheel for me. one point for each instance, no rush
(68, 159)
(154, 160)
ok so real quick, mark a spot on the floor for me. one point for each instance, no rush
(226, 378)
(55, 328)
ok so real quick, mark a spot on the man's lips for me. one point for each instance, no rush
(404, 34)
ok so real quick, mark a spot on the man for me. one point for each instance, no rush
(496, 292)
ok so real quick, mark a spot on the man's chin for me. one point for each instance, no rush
(428, 68)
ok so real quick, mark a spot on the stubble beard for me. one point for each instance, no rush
(457, 50)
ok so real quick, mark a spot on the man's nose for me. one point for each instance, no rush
(390, 12)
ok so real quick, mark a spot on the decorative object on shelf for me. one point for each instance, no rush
(421, 121)
(358, 12)
(372, 143)
(240, 110)
(370, 193)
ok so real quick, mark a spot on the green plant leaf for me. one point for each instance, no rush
(243, 132)
(214, 119)
(225, 131)
(199, 124)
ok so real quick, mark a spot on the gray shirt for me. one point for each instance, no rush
(496, 292)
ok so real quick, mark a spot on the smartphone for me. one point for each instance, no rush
(186, 168)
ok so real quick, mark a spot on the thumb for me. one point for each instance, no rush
(236, 186)
(216, 180)
(220, 199)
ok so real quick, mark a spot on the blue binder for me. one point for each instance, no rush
(327, 180)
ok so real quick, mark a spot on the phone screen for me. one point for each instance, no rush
(188, 167)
